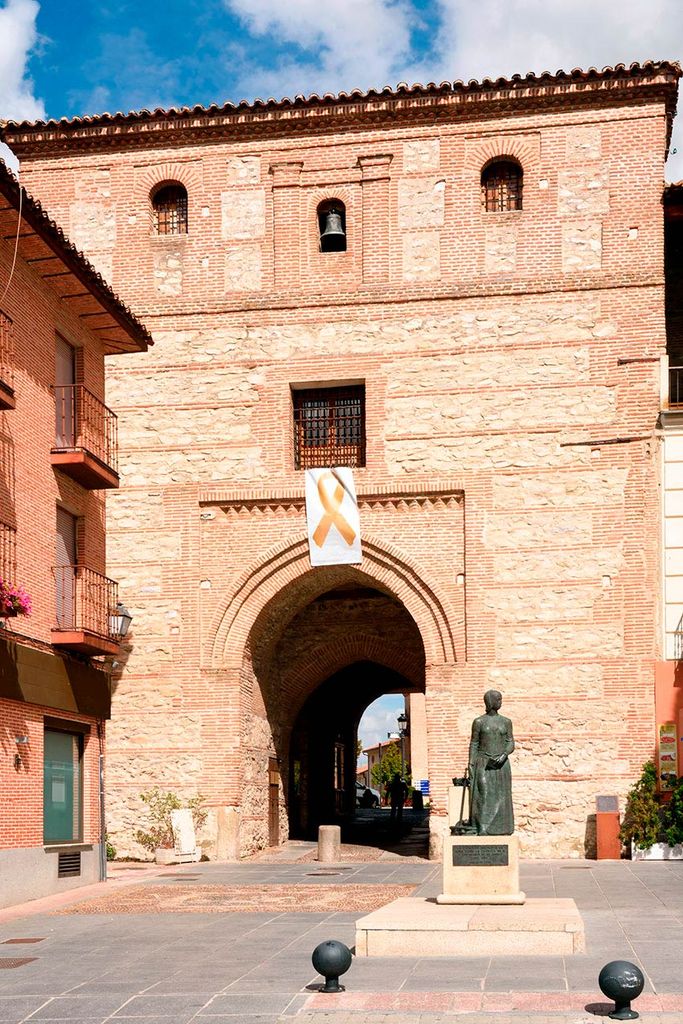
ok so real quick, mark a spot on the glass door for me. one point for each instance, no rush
(61, 787)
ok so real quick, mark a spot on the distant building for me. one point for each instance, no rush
(58, 452)
(458, 291)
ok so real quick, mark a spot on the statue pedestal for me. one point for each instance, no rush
(481, 869)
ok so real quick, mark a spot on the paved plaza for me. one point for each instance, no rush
(133, 951)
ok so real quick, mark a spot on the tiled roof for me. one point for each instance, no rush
(121, 329)
(488, 85)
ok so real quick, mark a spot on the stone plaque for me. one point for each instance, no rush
(480, 856)
(607, 803)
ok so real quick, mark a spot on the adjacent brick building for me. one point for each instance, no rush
(484, 344)
(58, 449)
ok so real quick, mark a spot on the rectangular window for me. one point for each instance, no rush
(65, 569)
(329, 427)
(62, 787)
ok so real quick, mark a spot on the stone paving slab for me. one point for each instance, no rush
(254, 967)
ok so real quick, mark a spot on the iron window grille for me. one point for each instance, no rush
(501, 186)
(329, 427)
(169, 206)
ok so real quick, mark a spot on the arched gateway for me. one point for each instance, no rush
(303, 652)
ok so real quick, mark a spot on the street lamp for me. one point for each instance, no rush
(120, 620)
(403, 732)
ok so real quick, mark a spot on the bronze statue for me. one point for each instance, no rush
(490, 778)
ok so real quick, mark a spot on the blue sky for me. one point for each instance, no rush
(65, 57)
(379, 719)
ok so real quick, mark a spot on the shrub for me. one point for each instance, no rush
(160, 805)
(642, 822)
(673, 815)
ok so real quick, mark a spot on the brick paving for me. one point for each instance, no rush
(253, 966)
(232, 899)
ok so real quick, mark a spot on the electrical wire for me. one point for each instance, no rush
(16, 246)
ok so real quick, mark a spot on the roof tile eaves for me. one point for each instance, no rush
(31, 207)
(313, 99)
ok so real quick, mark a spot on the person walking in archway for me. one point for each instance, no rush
(398, 791)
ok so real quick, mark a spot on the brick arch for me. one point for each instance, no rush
(384, 567)
(182, 172)
(179, 172)
(303, 677)
(520, 148)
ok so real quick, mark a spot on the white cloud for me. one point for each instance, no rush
(344, 43)
(18, 36)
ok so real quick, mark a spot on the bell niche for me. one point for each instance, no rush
(332, 226)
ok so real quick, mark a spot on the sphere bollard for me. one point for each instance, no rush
(622, 982)
(331, 959)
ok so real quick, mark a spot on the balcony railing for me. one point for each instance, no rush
(676, 387)
(6, 363)
(86, 437)
(85, 609)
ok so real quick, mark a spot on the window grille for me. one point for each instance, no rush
(501, 186)
(169, 206)
(329, 427)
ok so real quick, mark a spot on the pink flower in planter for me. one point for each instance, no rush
(14, 600)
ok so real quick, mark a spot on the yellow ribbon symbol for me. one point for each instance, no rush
(332, 505)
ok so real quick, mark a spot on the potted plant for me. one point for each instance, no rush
(13, 600)
(158, 838)
(654, 829)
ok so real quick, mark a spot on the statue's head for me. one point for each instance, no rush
(493, 700)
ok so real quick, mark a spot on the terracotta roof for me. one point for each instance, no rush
(517, 83)
(45, 247)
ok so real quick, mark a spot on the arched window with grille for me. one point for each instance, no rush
(169, 209)
(501, 186)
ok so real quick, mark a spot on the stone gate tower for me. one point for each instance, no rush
(482, 344)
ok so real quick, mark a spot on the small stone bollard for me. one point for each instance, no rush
(329, 844)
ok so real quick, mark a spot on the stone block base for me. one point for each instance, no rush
(163, 856)
(420, 927)
(481, 869)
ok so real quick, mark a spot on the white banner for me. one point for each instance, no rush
(332, 517)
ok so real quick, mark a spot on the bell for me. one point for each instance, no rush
(333, 238)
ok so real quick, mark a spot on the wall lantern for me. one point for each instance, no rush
(21, 741)
(120, 620)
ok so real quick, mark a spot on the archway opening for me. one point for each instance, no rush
(320, 652)
(323, 750)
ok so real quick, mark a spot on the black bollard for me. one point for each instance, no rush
(331, 959)
(622, 982)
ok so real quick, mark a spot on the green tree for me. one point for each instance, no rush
(384, 771)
